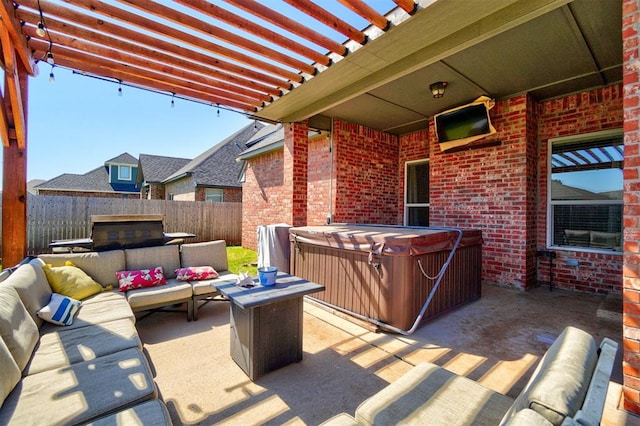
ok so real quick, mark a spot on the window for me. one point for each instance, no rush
(212, 194)
(585, 191)
(124, 172)
(416, 202)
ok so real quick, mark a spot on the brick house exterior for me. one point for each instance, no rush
(356, 174)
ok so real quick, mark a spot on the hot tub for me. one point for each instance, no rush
(395, 277)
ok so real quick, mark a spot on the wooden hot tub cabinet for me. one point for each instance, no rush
(374, 271)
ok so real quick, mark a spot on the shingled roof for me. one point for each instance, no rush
(156, 168)
(96, 180)
(217, 167)
(124, 158)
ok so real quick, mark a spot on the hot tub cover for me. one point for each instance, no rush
(386, 240)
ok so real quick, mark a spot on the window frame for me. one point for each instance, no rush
(122, 167)
(583, 137)
(220, 192)
(408, 205)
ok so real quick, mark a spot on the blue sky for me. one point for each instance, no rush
(78, 122)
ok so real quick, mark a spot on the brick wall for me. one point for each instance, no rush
(320, 193)
(631, 272)
(488, 189)
(90, 194)
(155, 191)
(264, 201)
(502, 190)
(583, 112)
(230, 195)
(366, 175)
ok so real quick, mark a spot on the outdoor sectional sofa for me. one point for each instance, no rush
(93, 370)
(568, 388)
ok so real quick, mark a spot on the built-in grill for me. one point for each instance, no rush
(109, 232)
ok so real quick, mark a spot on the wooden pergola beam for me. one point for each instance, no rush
(141, 62)
(288, 24)
(368, 13)
(115, 71)
(7, 15)
(317, 12)
(180, 51)
(12, 85)
(181, 37)
(77, 36)
(408, 6)
(243, 24)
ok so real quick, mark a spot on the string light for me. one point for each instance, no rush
(173, 103)
(52, 78)
(218, 110)
(40, 30)
(50, 59)
(146, 89)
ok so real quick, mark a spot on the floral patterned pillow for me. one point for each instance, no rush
(142, 278)
(196, 273)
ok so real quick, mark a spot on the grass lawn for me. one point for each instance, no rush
(242, 259)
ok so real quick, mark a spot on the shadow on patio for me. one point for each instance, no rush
(496, 341)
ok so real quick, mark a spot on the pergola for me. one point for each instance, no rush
(226, 56)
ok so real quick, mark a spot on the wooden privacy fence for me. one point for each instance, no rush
(57, 218)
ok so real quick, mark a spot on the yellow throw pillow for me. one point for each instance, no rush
(71, 281)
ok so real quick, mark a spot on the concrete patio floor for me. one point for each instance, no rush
(496, 341)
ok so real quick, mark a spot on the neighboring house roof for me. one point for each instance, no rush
(267, 139)
(156, 168)
(217, 167)
(124, 158)
(96, 180)
(32, 184)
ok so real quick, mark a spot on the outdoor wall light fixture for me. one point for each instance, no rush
(437, 88)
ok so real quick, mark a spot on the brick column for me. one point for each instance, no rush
(631, 272)
(296, 141)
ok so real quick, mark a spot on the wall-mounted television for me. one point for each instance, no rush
(463, 122)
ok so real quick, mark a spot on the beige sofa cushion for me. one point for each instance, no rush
(101, 266)
(17, 328)
(152, 412)
(10, 372)
(431, 395)
(148, 297)
(210, 253)
(61, 347)
(559, 384)
(528, 417)
(109, 309)
(32, 286)
(149, 257)
(80, 392)
(205, 286)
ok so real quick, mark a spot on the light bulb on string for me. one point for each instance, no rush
(40, 30)
(173, 103)
(52, 78)
(218, 110)
(119, 87)
(50, 59)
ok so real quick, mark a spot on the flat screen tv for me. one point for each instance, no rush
(463, 122)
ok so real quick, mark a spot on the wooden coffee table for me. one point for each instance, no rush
(266, 322)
